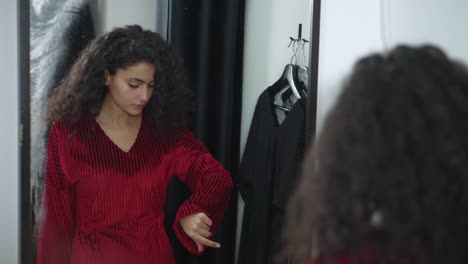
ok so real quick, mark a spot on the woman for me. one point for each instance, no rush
(119, 133)
(387, 181)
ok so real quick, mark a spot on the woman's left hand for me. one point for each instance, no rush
(197, 227)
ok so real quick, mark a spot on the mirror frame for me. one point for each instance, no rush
(311, 111)
(26, 252)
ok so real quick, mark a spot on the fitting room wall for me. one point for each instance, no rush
(108, 14)
(9, 137)
(349, 31)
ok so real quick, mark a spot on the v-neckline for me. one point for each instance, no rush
(119, 149)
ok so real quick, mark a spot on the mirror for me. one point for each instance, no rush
(233, 51)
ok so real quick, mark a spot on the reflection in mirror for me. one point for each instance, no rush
(59, 31)
(273, 122)
(219, 44)
(212, 123)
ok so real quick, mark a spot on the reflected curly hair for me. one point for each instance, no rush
(387, 181)
(83, 89)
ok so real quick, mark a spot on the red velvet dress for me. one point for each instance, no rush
(104, 205)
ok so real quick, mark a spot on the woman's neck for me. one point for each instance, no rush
(111, 115)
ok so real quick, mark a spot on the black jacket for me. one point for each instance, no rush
(269, 169)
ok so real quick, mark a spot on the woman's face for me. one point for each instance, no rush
(131, 88)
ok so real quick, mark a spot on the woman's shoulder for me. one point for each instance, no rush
(60, 127)
(67, 128)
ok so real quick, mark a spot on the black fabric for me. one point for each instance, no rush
(255, 181)
(208, 34)
(177, 193)
(290, 142)
(269, 169)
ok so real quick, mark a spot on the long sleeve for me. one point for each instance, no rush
(210, 184)
(56, 226)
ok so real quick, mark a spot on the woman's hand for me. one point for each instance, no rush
(197, 227)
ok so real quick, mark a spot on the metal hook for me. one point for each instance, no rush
(294, 48)
(297, 41)
(292, 40)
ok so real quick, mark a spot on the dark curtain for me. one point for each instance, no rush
(208, 34)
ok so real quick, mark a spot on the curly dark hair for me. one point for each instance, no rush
(83, 89)
(387, 180)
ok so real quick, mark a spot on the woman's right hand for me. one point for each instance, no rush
(197, 227)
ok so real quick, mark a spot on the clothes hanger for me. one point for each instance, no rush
(296, 76)
(287, 83)
(288, 93)
(301, 75)
(288, 75)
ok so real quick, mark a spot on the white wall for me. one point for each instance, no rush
(9, 178)
(443, 23)
(109, 14)
(348, 30)
(268, 26)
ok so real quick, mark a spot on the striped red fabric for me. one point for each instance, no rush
(104, 205)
